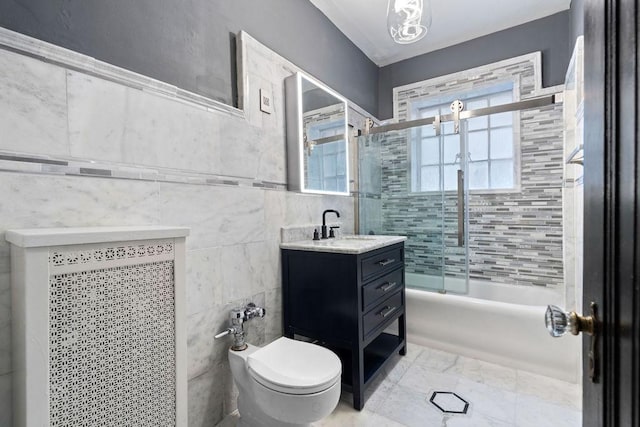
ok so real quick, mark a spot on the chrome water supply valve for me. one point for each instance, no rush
(237, 317)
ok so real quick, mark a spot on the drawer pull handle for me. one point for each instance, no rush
(389, 285)
(387, 311)
(386, 262)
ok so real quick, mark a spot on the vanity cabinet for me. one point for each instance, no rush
(350, 303)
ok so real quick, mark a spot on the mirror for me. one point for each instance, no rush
(317, 145)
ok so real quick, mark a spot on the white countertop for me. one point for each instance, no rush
(345, 244)
(38, 237)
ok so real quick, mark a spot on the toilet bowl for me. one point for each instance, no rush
(285, 383)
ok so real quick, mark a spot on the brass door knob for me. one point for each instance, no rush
(559, 322)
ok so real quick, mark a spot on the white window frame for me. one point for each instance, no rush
(443, 101)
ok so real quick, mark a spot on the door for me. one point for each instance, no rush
(611, 234)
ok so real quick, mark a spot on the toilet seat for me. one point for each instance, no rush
(294, 367)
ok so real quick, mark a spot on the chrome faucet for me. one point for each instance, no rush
(237, 318)
(324, 223)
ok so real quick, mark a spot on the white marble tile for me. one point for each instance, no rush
(58, 201)
(534, 412)
(205, 400)
(422, 379)
(409, 408)
(47, 201)
(345, 416)
(204, 279)
(486, 373)
(5, 324)
(6, 408)
(273, 161)
(488, 401)
(251, 94)
(437, 360)
(474, 420)
(413, 351)
(275, 211)
(165, 132)
(549, 389)
(240, 148)
(217, 216)
(248, 269)
(97, 117)
(273, 317)
(33, 105)
(201, 327)
(307, 209)
(108, 121)
(203, 351)
(374, 395)
(396, 369)
(275, 121)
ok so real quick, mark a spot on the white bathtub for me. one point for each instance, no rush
(488, 325)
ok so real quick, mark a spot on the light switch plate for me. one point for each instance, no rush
(266, 101)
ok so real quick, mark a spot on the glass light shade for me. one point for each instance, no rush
(408, 20)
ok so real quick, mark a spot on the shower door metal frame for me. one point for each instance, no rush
(436, 121)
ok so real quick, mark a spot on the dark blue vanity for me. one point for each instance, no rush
(348, 295)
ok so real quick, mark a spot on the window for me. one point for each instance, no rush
(489, 140)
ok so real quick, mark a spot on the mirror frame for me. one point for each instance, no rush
(295, 137)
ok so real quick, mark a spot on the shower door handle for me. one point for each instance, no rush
(460, 208)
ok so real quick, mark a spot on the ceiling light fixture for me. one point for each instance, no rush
(408, 20)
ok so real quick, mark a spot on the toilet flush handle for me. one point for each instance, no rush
(224, 333)
(237, 318)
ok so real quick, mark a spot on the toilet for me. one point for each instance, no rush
(285, 383)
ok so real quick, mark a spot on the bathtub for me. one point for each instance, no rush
(498, 323)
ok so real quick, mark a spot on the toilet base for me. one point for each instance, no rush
(299, 410)
(252, 416)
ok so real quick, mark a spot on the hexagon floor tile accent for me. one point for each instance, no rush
(449, 402)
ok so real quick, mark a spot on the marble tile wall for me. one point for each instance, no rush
(81, 148)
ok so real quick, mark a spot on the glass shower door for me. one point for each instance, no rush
(455, 262)
(408, 183)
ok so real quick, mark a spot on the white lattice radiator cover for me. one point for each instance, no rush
(111, 343)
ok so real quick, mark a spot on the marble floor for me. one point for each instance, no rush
(497, 396)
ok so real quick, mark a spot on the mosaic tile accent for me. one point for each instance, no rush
(514, 237)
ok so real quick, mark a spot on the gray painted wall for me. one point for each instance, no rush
(577, 19)
(549, 35)
(189, 43)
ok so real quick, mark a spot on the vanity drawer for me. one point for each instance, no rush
(382, 262)
(382, 287)
(383, 313)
